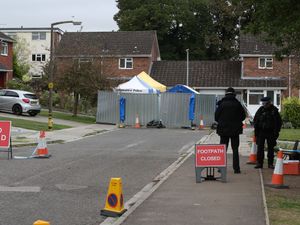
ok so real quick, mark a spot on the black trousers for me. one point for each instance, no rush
(271, 142)
(235, 142)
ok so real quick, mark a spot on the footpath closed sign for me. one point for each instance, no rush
(210, 155)
(5, 127)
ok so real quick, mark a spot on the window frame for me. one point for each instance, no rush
(265, 63)
(126, 66)
(4, 49)
(35, 57)
(38, 36)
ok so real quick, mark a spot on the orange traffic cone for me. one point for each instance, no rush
(253, 152)
(137, 122)
(201, 125)
(41, 150)
(277, 178)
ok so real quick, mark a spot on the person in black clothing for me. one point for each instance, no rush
(230, 115)
(267, 125)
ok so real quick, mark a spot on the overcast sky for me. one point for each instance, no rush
(95, 15)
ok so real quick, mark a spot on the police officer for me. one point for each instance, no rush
(229, 116)
(267, 125)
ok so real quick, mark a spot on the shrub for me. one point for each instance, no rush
(291, 111)
(18, 85)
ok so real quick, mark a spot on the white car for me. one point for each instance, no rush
(19, 102)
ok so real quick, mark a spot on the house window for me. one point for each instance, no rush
(4, 48)
(265, 63)
(38, 57)
(38, 35)
(125, 63)
(255, 96)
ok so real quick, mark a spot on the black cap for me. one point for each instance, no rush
(230, 90)
(265, 99)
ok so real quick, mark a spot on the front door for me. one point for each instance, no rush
(2, 79)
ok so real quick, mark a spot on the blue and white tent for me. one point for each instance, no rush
(136, 85)
(180, 88)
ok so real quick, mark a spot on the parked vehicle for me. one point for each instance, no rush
(19, 102)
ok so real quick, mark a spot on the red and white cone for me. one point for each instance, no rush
(201, 125)
(41, 150)
(253, 152)
(277, 178)
(137, 122)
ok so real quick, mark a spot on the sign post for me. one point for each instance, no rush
(209, 157)
(5, 138)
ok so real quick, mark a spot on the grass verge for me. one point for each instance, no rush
(289, 134)
(69, 116)
(27, 124)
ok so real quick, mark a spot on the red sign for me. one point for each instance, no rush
(210, 155)
(5, 134)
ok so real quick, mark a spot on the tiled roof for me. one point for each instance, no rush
(250, 44)
(5, 37)
(106, 43)
(209, 74)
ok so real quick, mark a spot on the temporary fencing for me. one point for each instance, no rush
(170, 108)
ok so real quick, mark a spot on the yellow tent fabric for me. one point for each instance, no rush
(150, 81)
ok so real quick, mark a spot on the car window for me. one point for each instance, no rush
(2, 93)
(11, 94)
(31, 96)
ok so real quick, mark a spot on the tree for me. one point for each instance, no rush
(208, 28)
(83, 80)
(278, 23)
(20, 58)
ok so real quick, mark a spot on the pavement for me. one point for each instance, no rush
(177, 199)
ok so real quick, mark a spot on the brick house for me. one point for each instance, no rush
(6, 59)
(121, 54)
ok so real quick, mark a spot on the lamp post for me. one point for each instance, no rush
(50, 79)
(187, 67)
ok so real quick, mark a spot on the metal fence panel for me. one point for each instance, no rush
(107, 107)
(175, 109)
(144, 105)
(205, 106)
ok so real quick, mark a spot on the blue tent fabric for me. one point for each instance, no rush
(122, 109)
(192, 107)
(179, 88)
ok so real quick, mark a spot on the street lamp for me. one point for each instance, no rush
(187, 67)
(50, 79)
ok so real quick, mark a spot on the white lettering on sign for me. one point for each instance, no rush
(210, 158)
(0, 130)
(3, 137)
(206, 151)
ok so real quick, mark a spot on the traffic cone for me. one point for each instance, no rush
(277, 178)
(137, 122)
(41, 150)
(253, 152)
(201, 125)
(114, 204)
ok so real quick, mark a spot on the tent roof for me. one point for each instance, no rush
(180, 88)
(150, 81)
(135, 85)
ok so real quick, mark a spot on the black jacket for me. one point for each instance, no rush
(229, 115)
(269, 125)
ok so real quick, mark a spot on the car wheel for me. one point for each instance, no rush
(32, 113)
(17, 109)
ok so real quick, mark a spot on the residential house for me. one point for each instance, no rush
(121, 54)
(37, 45)
(257, 74)
(6, 59)
(214, 77)
(259, 62)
